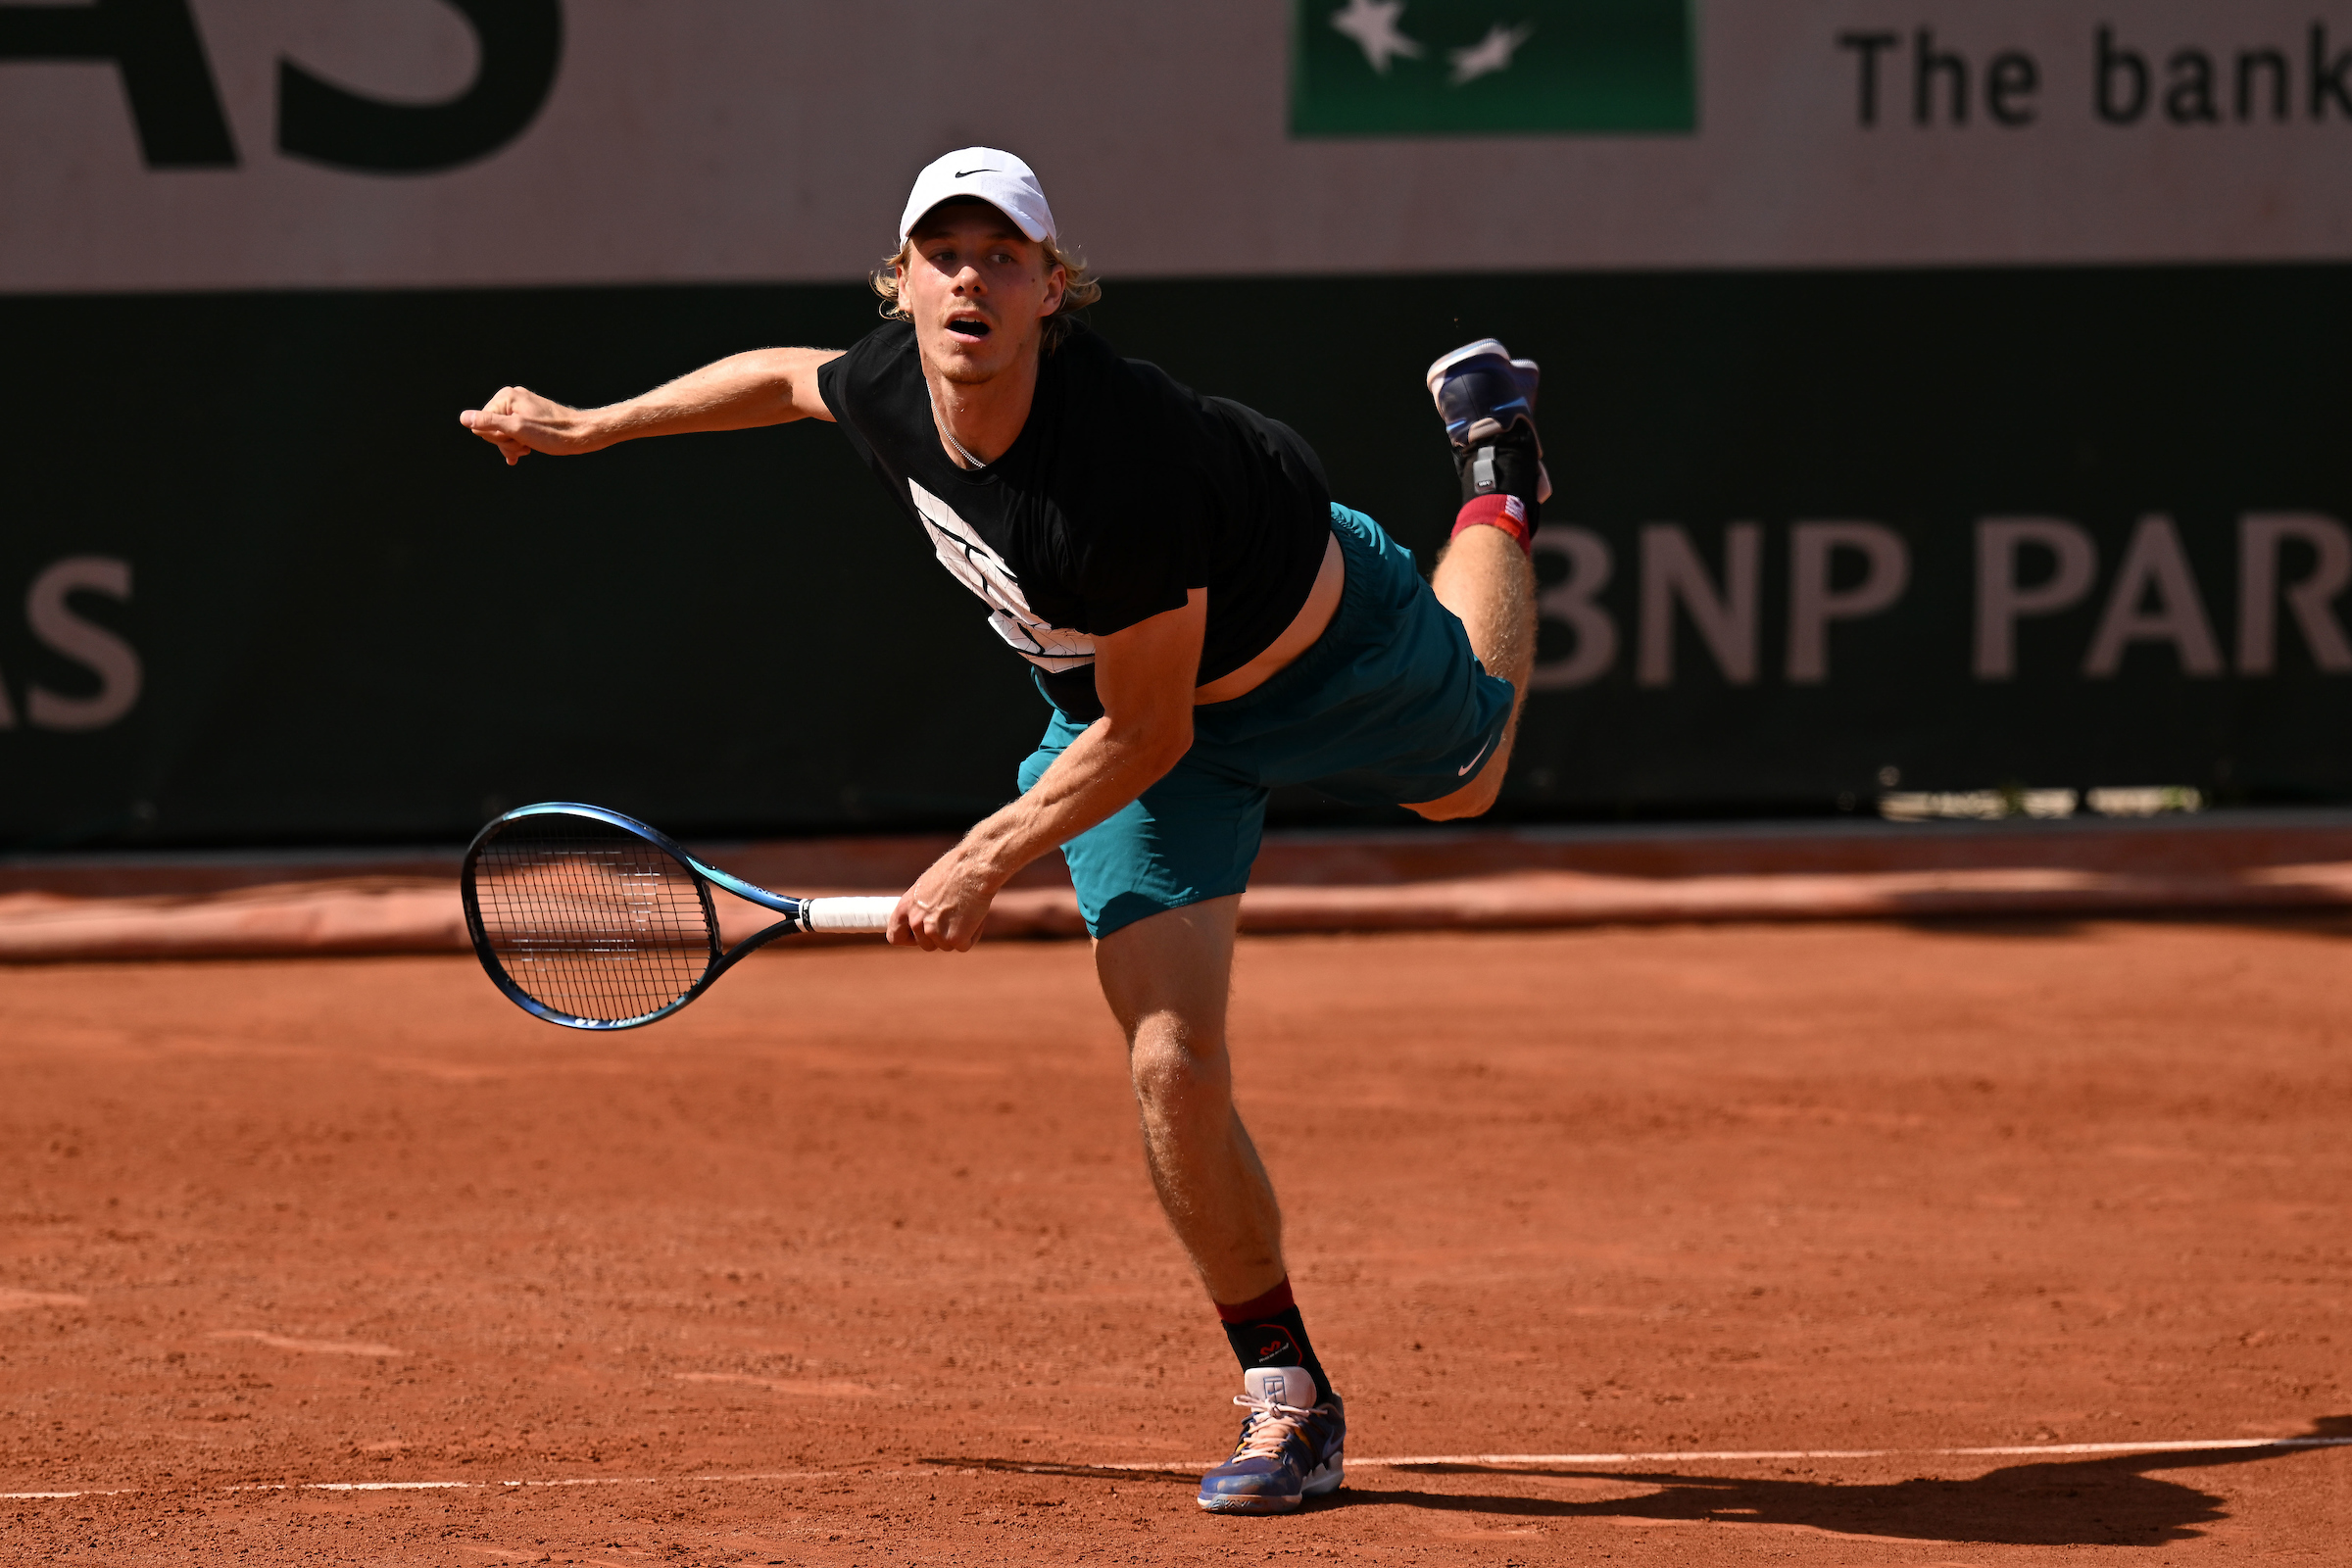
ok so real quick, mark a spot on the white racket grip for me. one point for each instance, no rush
(848, 914)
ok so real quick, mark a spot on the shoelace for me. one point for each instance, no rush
(1270, 1427)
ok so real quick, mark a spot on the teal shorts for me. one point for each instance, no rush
(1389, 707)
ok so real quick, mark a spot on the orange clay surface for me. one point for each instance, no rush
(855, 1261)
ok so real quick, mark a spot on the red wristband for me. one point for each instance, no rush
(1498, 511)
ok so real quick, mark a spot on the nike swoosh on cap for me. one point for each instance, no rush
(965, 173)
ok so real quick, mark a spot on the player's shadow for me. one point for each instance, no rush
(2110, 1500)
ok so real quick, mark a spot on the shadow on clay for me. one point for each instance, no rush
(2108, 1501)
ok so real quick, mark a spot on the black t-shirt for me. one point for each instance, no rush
(1123, 492)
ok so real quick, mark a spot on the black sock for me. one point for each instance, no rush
(1268, 1332)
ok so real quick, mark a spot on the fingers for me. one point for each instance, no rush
(954, 931)
(930, 928)
(491, 423)
(947, 929)
(499, 429)
(916, 924)
(500, 404)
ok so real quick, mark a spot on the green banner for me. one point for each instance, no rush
(1389, 68)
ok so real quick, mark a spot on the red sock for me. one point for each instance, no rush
(1498, 511)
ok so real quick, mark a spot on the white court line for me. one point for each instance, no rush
(573, 1481)
(1667, 1456)
(458, 1486)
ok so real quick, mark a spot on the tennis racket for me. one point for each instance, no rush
(593, 920)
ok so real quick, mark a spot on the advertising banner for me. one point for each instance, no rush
(1941, 397)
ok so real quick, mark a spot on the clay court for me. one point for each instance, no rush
(1724, 1240)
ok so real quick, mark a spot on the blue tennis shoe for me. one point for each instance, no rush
(1484, 396)
(1289, 1449)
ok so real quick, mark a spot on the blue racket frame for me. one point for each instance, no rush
(705, 877)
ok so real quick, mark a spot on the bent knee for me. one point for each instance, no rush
(1168, 1066)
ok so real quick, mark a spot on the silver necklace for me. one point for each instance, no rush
(962, 450)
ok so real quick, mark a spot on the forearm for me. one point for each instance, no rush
(741, 392)
(1145, 676)
(1104, 768)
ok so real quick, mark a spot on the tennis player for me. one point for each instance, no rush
(1206, 623)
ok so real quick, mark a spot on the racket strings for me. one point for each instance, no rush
(591, 920)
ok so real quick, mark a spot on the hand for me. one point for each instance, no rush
(520, 421)
(945, 910)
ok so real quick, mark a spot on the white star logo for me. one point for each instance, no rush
(1372, 24)
(1489, 54)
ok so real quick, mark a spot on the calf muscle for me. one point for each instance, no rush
(1167, 979)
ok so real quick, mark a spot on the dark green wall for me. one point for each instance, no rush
(356, 623)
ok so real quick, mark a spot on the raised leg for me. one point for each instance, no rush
(1485, 578)
(1167, 979)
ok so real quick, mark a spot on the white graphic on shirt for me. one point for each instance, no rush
(1052, 649)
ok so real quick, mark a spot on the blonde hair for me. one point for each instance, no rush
(1080, 288)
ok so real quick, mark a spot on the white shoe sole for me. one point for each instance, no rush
(1325, 1480)
(1484, 345)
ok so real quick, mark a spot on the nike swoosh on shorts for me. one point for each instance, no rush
(1473, 763)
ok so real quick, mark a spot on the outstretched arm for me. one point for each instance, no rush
(1145, 676)
(742, 392)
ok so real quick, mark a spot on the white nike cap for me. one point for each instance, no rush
(996, 177)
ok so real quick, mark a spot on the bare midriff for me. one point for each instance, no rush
(1322, 602)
